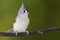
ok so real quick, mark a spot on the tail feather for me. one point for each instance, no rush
(10, 31)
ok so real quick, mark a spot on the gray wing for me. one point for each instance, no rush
(10, 31)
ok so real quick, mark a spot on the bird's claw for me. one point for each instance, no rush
(27, 32)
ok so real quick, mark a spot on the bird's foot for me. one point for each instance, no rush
(27, 32)
(16, 33)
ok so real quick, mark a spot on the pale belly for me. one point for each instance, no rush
(21, 25)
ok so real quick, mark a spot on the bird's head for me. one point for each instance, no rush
(23, 10)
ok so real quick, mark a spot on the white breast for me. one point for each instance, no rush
(21, 23)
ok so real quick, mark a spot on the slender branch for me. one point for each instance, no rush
(31, 32)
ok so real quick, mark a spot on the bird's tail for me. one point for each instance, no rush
(10, 31)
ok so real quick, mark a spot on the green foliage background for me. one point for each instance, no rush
(43, 14)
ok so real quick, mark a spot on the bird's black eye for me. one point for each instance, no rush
(24, 10)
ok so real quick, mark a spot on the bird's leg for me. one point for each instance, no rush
(16, 33)
(27, 32)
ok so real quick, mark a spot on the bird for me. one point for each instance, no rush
(22, 21)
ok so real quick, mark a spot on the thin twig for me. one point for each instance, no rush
(31, 32)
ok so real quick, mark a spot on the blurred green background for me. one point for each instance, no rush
(43, 14)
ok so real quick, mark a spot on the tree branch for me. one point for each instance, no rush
(31, 32)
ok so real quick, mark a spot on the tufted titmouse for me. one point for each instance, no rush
(21, 21)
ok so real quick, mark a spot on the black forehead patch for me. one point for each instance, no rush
(27, 10)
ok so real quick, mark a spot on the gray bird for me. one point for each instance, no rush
(21, 22)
